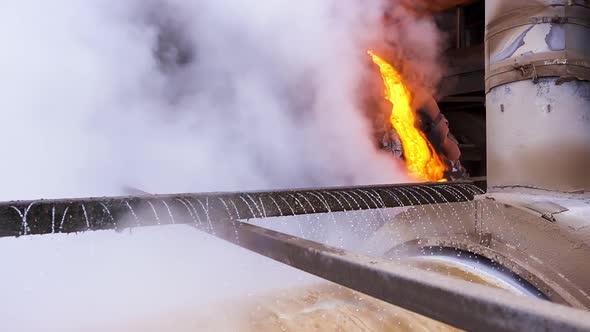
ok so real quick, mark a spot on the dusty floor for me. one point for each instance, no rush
(325, 307)
(165, 279)
(322, 307)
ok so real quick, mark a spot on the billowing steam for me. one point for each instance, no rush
(181, 96)
(185, 96)
(414, 44)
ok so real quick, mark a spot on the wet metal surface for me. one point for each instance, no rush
(474, 307)
(76, 215)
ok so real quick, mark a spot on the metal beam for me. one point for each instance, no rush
(456, 302)
(464, 99)
(76, 215)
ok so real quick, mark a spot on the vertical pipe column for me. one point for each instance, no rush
(537, 59)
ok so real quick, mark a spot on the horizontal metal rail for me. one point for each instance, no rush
(456, 302)
(76, 215)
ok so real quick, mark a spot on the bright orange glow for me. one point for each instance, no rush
(421, 159)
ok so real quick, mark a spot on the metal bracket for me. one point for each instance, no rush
(546, 209)
(524, 70)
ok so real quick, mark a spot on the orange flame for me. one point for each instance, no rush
(421, 159)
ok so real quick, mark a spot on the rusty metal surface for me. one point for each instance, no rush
(75, 215)
(459, 303)
(496, 8)
(538, 41)
(538, 94)
(548, 249)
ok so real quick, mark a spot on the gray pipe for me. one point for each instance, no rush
(538, 94)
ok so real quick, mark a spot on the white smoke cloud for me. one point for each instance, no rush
(414, 44)
(250, 95)
(267, 97)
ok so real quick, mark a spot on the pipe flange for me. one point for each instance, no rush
(509, 58)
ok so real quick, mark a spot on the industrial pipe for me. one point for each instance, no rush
(537, 61)
(76, 215)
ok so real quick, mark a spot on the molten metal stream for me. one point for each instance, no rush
(422, 161)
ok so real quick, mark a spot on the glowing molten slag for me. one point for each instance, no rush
(421, 159)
